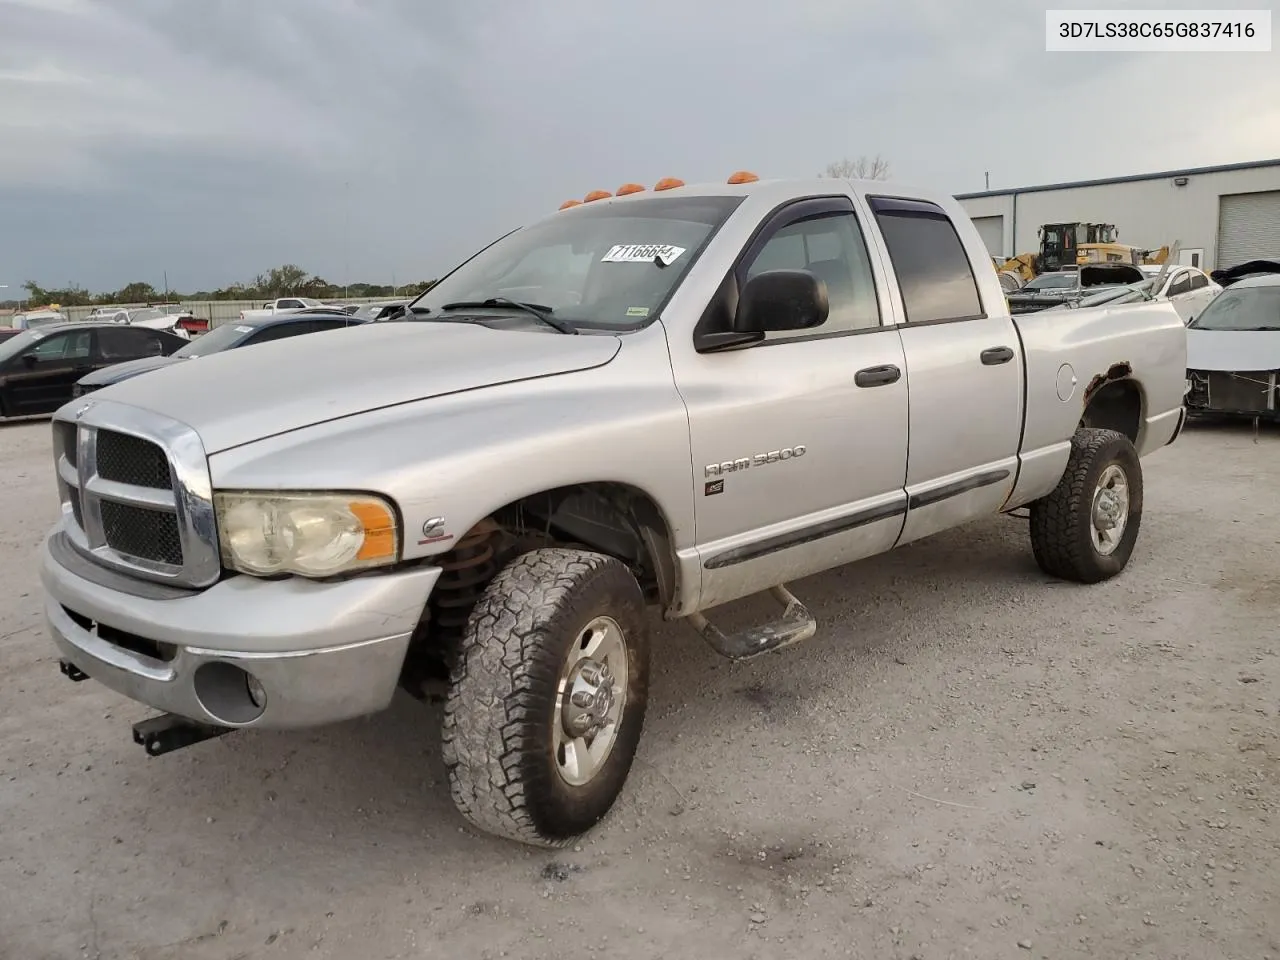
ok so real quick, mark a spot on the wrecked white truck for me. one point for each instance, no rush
(673, 398)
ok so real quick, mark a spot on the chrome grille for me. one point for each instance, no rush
(142, 532)
(127, 459)
(135, 492)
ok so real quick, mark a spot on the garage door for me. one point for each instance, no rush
(991, 229)
(1248, 228)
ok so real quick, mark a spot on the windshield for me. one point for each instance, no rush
(374, 311)
(11, 347)
(215, 341)
(149, 313)
(596, 265)
(1052, 281)
(1241, 308)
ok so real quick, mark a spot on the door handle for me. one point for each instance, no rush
(877, 376)
(995, 355)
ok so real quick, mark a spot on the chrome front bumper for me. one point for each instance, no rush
(322, 652)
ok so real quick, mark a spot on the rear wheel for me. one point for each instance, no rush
(547, 696)
(1085, 530)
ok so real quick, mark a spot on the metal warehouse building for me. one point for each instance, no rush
(1222, 215)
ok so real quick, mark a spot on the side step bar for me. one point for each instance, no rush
(168, 732)
(794, 625)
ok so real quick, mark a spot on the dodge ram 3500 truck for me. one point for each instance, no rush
(674, 397)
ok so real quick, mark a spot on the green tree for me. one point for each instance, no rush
(137, 292)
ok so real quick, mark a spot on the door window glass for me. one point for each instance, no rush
(62, 346)
(831, 247)
(122, 344)
(933, 269)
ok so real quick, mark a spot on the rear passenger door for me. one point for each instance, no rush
(964, 371)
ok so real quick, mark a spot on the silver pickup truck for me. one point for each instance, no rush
(673, 398)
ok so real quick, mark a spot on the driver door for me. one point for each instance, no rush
(800, 441)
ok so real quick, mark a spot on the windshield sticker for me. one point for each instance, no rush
(643, 253)
(637, 311)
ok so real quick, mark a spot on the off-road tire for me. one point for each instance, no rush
(1061, 522)
(501, 704)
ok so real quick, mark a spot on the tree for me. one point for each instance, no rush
(281, 281)
(136, 292)
(877, 168)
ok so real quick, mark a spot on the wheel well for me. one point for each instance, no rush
(616, 519)
(1113, 401)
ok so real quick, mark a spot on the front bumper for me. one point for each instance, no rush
(322, 652)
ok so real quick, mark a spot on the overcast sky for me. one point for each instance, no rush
(372, 139)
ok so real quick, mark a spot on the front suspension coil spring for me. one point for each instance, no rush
(465, 571)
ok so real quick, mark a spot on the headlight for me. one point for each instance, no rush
(310, 534)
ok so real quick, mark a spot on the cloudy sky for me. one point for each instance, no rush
(372, 139)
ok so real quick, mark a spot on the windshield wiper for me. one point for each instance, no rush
(538, 310)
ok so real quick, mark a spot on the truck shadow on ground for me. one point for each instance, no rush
(379, 782)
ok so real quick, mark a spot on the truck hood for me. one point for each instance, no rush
(123, 371)
(1233, 350)
(240, 396)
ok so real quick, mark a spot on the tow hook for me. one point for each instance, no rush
(71, 671)
(169, 732)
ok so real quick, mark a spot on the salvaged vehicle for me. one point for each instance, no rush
(1187, 288)
(40, 366)
(1233, 351)
(1071, 285)
(228, 336)
(673, 397)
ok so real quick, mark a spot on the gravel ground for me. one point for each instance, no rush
(967, 761)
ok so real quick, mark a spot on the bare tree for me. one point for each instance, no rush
(876, 168)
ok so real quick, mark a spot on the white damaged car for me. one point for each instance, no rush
(1233, 351)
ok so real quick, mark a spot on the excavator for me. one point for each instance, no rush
(1075, 244)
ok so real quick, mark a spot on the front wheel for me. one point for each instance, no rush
(547, 696)
(1085, 530)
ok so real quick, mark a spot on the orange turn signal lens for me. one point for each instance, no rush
(570, 203)
(668, 183)
(596, 195)
(743, 176)
(627, 188)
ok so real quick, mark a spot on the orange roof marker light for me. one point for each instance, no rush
(668, 183)
(570, 203)
(628, 188)
(743, 176)
(596, 195)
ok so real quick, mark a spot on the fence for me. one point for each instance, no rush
(217, 312)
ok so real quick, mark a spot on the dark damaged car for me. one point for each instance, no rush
(1233, 348)
(1064, 287)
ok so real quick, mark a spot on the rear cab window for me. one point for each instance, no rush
(934, 272)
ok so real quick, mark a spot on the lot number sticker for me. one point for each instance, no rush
(642, 253)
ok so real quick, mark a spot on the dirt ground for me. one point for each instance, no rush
(969, 760)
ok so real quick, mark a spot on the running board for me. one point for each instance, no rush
(795, 624)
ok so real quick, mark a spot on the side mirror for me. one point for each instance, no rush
(773, 300)
(781, 300)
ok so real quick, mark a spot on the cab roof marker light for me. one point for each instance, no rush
(570, 203)
(668, 183)
(629, 188)
(596, 195)
(743, 176)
